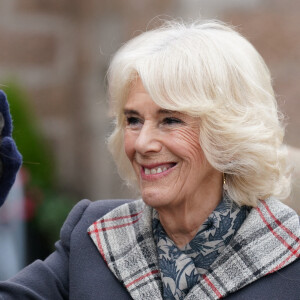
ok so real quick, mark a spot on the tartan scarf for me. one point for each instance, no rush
(267, 241)
(181, 269)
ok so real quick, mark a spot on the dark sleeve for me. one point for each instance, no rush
(47, 279)
(10, 157)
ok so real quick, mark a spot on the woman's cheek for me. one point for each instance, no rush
(129, 144)
(187, 141)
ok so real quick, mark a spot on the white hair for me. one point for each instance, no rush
(209, 71)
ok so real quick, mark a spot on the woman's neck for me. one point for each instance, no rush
(183, 221)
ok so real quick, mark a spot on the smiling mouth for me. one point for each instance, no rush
(158, 169)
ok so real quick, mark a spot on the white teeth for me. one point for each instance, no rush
(155, 170)
(159, 170)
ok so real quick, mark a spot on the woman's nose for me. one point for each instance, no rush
(148, 140)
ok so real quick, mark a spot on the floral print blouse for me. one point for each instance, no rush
(182, 268)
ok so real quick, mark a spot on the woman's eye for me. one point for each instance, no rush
(172, 120)
(132, 121)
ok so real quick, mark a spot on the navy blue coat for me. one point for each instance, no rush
(77, 271)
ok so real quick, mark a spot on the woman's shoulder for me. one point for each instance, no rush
(85, 212)
(99, 208)
(108, 204)
(90, 209)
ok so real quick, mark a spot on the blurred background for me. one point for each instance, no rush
(54, 56)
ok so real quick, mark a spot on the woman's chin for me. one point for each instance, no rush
(154, 198)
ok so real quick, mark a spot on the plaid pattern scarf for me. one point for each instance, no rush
(267, 241)
(181, 269)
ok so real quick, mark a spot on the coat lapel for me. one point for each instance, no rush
(124, 239)
(267, 241)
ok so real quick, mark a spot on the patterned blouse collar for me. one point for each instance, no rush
(181, 269)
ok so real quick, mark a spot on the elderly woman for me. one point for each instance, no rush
(197, 132)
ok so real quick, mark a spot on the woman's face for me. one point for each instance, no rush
(163, 147)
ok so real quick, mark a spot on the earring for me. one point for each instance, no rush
(225, 187)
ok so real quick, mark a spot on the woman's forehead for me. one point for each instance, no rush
(136, 86)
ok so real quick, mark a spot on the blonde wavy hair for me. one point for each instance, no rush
(208, 70)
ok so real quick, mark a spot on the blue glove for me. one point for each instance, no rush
(10, 157)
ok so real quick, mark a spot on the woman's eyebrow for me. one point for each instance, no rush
(160, 111)
(169, 112)
(131, 112)
(165, 111)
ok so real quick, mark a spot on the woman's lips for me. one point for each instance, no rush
(155, 171)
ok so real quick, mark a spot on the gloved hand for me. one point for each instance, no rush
(10, 157)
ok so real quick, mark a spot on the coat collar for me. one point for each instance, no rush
(125, 241)
(267, 241)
